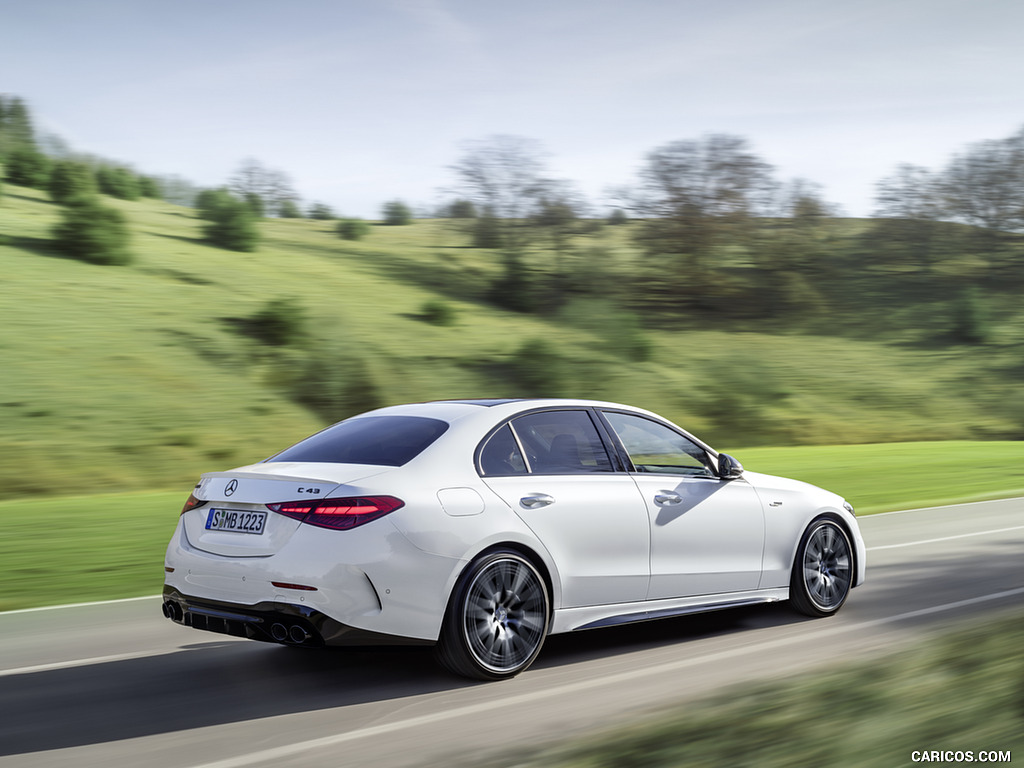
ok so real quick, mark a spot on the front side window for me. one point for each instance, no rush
(653, 447)
(561, 442)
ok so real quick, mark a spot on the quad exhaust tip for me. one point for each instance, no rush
(296, 634)
(172, 610)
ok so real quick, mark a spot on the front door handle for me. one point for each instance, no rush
(667, 498)
(537, 500)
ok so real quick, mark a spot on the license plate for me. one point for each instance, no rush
(236, 521)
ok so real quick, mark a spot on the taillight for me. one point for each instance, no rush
(340, 514)
(192, 503)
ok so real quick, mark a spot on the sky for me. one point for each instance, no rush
(364, 101)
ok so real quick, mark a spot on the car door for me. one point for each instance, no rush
(552, 468)
(707, 534)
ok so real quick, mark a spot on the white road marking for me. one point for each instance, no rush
(290, 750)
(83, 662)
(79, 605)
(944, 506)
(945, 538)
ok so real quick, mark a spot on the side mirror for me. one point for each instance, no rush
(728, 467)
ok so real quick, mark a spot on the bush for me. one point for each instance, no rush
(289, 209)
(70, 180)
(970, 320)
(461, 209)
(28, 168)
(118, 182)
(210, 201)
(336, 385)
(538, 370)
(90, 231)
(281, 322)
(514, 289)
(487, 232)
(231, 223)
(353, 229)
(321, 211)
(150, 187)
(438, 312)
(618, 216)
(397, 213)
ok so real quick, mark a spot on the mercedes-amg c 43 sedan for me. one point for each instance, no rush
(482, 526)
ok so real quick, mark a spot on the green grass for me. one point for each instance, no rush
(960, 691)
(83, 548)
(879, 478)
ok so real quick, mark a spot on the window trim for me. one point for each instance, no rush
(611, 448)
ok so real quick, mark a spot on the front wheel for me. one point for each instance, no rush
(822, 570)
(497, 618)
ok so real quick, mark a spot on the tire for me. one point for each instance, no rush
(822, 570)
(497, 618)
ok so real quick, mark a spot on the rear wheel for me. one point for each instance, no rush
(823, 569)
(497, 618)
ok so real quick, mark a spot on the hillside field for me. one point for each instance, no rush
(141, 377)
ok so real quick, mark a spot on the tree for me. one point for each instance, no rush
(504, 176)
(27, 167)
(396, 213)
(908, 209)
(16, 130)
(90, 231)
(697, 197)
(273, 187)
(255, 203)
(984, 186)
(70, 179)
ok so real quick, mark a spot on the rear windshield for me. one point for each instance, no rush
(388, 440)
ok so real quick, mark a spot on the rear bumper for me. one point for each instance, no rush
(271, 622)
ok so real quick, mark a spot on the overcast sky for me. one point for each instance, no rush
(361, 101)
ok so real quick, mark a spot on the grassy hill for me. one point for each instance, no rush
(120, 378)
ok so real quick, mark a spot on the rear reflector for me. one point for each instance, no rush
(286, 585)
(340, 514)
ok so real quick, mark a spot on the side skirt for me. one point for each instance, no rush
(593, 617)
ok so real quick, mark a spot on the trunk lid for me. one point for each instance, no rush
(235, 521)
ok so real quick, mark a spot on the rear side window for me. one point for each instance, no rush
(390, 441)
(561, 443)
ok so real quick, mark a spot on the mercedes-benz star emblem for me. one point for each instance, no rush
(230, 488)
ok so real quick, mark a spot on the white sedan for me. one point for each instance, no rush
(482, 526)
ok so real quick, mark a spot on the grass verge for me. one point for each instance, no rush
(959, 692)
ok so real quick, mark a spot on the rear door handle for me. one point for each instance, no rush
(537, 500)
(667, 497)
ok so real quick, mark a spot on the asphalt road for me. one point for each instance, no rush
(119, 685)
